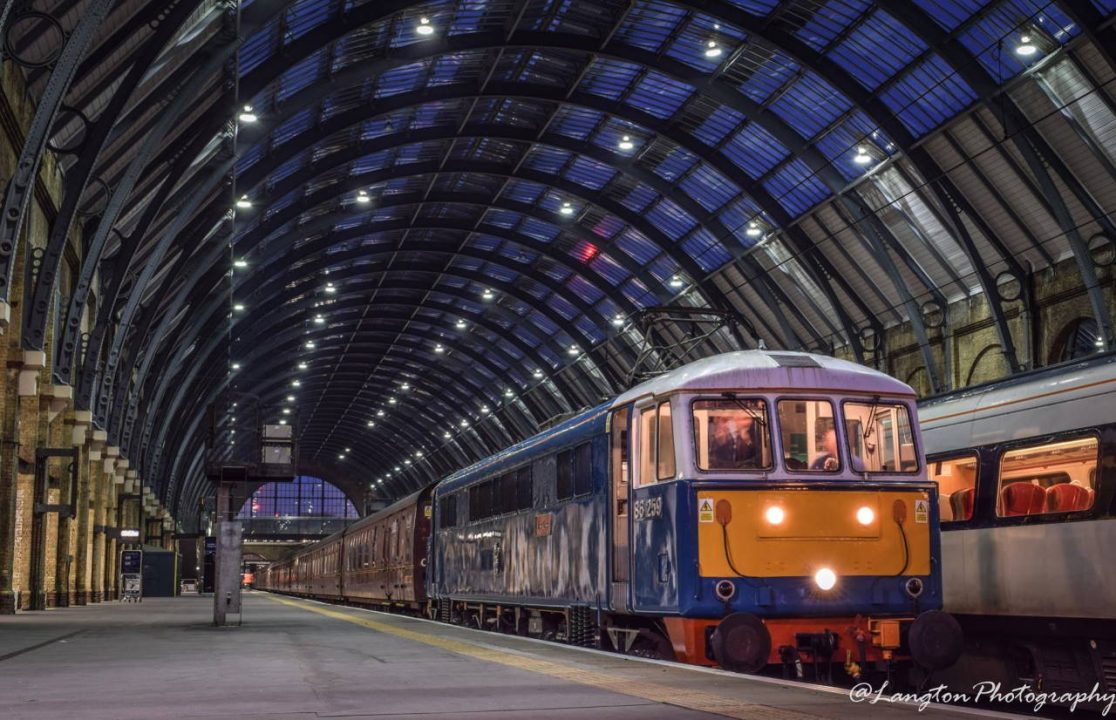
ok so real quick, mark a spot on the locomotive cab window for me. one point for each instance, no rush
(656, 444)
(809, 434)
(880, 437)
(731, 435)
(956, 478)
(1053, 477)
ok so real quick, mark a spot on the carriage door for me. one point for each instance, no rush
(618, 467)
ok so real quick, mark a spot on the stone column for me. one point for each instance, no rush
(95, 441)
(80, 421)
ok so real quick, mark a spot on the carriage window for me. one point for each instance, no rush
(665, 455)
(732, 435)
(1049, 478)
(449, 511)
(956, 480)
(880, 437)
(583, 479)
(524, 486)
(656, 445)
(809, 436)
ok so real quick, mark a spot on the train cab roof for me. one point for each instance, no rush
(762, 370)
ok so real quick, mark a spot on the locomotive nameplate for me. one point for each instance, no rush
(543, 524)
(647, 508)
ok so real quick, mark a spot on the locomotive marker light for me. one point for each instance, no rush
(865, 515)
(825, 579)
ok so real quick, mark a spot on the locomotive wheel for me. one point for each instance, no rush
(653, 646)
(741, 643)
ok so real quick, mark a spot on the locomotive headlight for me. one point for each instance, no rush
(825, 578)
(775, 515)
(865, 515)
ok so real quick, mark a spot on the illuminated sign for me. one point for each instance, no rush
(129, 533)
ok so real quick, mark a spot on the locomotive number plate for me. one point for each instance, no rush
(647, 509)
(543, 525)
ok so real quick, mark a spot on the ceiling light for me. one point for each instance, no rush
(238, 307)
(296, 383)
(290, 398)
(348, 450)
(566, 209)
(464, 423)
(371, 423)
(424, 27)
(509, 393)
(236, 366)
(538, 373)
(379, 413)
(302, 366)
(329, 288)
(573, 350)
(407, 461)
(460, 324)
(439, 348)
(1099, 341)
(341, 456)
(618, 320)
(391, 401)
(286, 411)
(712, 50)
(488, 295)
(398, 469)
(247, 115)
(676, 281)
(244, 203)
(405, 386)
(319, 319)
(446, 435)
(484, 410)
(282, 421)
(310, 345)
(1026, 47)
(241, 263)
(362, 198)
(862, 157)
(626, 143)
(753, 230)
(418, 453)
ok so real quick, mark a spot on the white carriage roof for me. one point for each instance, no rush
(761, 370)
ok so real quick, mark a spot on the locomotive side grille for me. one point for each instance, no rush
(1108, 672)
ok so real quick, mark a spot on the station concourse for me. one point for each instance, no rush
(557, 358)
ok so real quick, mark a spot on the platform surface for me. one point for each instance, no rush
(295, 659)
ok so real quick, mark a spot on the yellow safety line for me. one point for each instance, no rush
(689, 699)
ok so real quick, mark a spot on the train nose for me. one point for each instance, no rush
(935, 640)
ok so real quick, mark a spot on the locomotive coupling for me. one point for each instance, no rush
(935, 640)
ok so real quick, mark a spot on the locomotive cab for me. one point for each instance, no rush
(773, 526)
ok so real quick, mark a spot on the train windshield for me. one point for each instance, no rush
(732, 434)
(880, 437)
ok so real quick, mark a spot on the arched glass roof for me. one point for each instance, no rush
(444, 219)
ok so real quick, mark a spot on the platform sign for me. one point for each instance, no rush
(131, 562)
(131, 575)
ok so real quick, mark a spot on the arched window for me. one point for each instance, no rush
(1077, 339)
(305, 496)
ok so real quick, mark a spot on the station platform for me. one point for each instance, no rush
(294, 659)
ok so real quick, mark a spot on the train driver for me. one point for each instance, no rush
(827, 460)
(732, 443)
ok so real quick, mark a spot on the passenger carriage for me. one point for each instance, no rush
(1027, 474)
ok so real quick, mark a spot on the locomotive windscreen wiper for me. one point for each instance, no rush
(756, 417)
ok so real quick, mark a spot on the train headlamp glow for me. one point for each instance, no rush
(865, 515)
(775, 515)
(825, 579)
